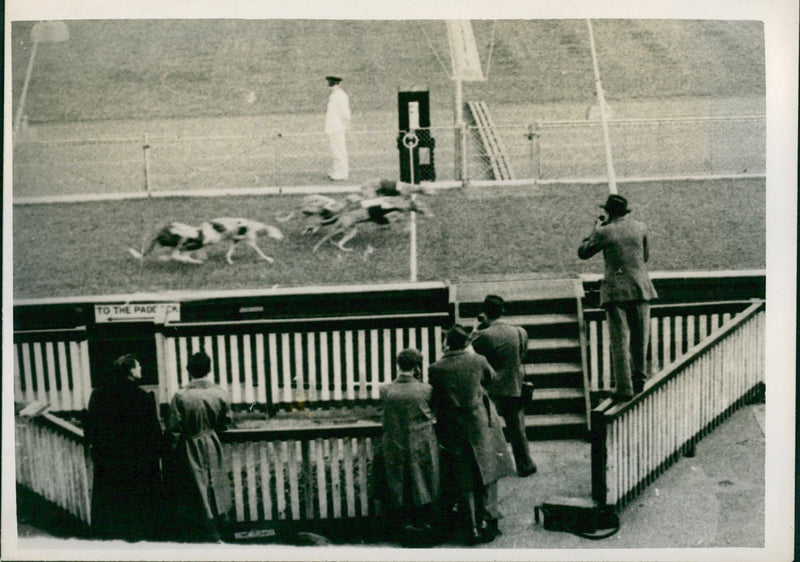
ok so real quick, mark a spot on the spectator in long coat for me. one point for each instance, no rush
(125, 441)
(198, 476)
(474, 454)
(409, 448)
(505, 346)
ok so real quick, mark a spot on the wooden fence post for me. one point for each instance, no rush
(599, 457)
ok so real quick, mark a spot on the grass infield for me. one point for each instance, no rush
(81, 248)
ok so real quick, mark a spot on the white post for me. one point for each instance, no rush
(413, 223)
(459, 132)
(601, 101)
(21, 108)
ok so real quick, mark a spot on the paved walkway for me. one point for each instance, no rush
(714, 499)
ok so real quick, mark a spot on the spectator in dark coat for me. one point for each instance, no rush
(198, 479)
(504, 346)
(474, 454)
(409, 448)
(625, 293)
(125, 441)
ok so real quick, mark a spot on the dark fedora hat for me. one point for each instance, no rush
(616, 205)
(333, 80)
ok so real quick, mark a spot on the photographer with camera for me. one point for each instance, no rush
(625, 293)
(504, 347)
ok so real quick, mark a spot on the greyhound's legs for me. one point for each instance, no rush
(325, 238)
(349, 235)
(178, 255)
(253, 245)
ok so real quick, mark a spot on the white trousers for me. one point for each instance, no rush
(339, 168)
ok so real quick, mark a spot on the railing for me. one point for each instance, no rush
(674, 330)
(277, 475)
(52, 366)
(304, 474)
(52, 462)
(547, 151)
(300, 361)
(634, 442)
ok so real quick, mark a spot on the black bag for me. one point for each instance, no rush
(578, 516)
(526, 395)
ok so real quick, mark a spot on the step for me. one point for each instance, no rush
(548, 401)
(543, 378)
(535, 369)
(555, 426)
(540, 319)
(542, 344)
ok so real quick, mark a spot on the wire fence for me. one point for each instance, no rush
(546, 151)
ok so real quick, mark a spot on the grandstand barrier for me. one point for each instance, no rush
(52, 461)
(634, 442)
(315, 347)
(317, 474)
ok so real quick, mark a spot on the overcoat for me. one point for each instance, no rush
(504, 346)
(125, 441)
(467, 423)
(199, 476)
(409, 446)
(623, 242)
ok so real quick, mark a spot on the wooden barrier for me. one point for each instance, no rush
(674, 330)
(52, 462)
(52, 366)
(304, 474)
(277, 475)
(309, 361)
(634, 442)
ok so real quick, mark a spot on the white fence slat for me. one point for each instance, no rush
(324, 367)
(247, 368)
(361, 366)
(286, 367)
(319, 461)
(388, 360)
(236, 464)
(274, 371)
(311, 347)
(299, 382)
(41, 389)
(260, 369)
(374, 368)
(236, 387)
(348, 477)
(337, 365)
(349, 366)
(250, 464)
(336, 468)
(266, 478)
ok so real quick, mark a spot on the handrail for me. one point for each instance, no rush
(611, 410)
(309, 320)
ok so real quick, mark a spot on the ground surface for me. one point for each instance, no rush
(81, 248)
(712, 500)
(149, 69)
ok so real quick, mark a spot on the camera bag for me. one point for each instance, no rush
(579, 516)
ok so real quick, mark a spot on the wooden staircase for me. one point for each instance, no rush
(550, 311)
(494, 148)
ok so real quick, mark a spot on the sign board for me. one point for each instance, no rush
(137, 312)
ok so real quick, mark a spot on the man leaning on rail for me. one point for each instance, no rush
(625, 293)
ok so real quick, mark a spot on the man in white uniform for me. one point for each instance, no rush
(337, 121)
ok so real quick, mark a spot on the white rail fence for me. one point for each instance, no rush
(634, 442)
(546, 151)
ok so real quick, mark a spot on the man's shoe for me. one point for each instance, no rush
(527, 471)
(478, 537)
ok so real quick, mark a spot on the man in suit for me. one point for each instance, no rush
(625, 293)
(337, 121)
(504, 346)
(474, 454)
(409, 449)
